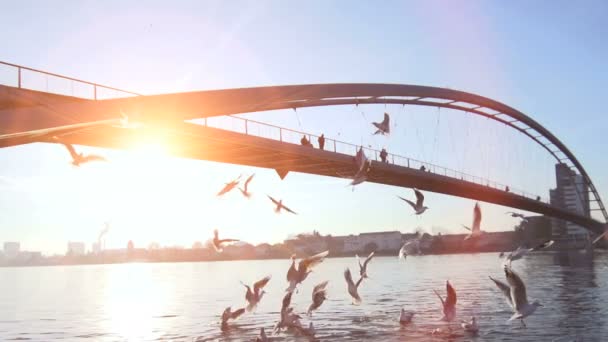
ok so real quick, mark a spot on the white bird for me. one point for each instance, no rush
(280, 206)
(262, 337)
(319, 294)
(515, 294)
(408, 248)
(305, 266)
(418, 207)
(517, 215)
(80, 158)
(476, 228)
(218, 244)
(471, 326)
(449, 304)
(229, 186)
(228, 314)
(289, 319)
(363, 267)
(245, 191)
(520, 252)
(405, 317)
(384, 126)
(255, 296)
(352, 287)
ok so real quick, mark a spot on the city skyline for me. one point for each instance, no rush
(37, 177)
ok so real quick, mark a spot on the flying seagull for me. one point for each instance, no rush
(408, 248)
(254, 297)
(319, 294)
(471, 326)
(217, 243)
(517, 215)
(520, 252)
(80, 158)
(352, 287)
(418, 207)
(384, 126)
(229, 186)
(449, 304)
(297, 276)
(476, 228)
(289, 319)
(280, 206)
(515, 293)
(228, 314)
(245, 191)
(405, 317)
(363, 267)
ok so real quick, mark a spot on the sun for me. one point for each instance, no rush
(152, 149)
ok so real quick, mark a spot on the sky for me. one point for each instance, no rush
(546, 59)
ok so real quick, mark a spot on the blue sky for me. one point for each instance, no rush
(546, 59)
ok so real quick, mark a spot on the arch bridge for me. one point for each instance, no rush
(28, 116)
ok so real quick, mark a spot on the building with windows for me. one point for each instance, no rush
(571, 193)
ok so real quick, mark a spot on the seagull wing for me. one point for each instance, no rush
(465, 227)
(307, 264)
(369, 258)
(543, 245)
(348, 277)
(289, 210)
(215, 234)
(260, 284)
(359, 282)
(439, 296)
(286, 301)
(227, 240)
(505, 289)
(419, 197)
(292, 273)
(476, 218)
(225, 189)
(450, 300)
(408, 201)
(273, 200)
(318, 288)
(359, 261)
(237, 313)
(93, 157)
(518, 289)
(72, 150)
(386, 120)
(247, 181)
(402, 251)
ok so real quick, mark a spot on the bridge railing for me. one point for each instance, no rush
(33, 79)
(265, 130)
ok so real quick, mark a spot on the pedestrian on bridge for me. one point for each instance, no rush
(305, 142)
(383, 155)
(321, 141)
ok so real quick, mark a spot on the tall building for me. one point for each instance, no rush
(571, 193)
(11, 249)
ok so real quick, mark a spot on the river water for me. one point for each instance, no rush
(183, 301)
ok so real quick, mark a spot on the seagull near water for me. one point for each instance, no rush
(217, 243)
(319, 294)
(353, 287)
(229, 186)
(471, 326)
(305, 266)
(520, 252)
(363, 267)
(515, 294)
(289, 319)
(405, 317)
(476, 228)
(245, 191)
(80, 158)
(384, 126)
(228, 314)
(407, 248)
(418, 207)
(280, 206)
(449, 304)
(254, 297)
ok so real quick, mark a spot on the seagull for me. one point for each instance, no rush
(405, 317)
(352, 287)
(384, 126)
(319, 294)
(217, 243)
(289, 319)
(470, 327)
(515, 293)
(229, 186)
(407, 247)
(418, 207)
(228, 314)
(599, 237)
(262, 337)
(449, 305)
(254, 297)
(280, 206)
(361, 161)
(514, 214)
(80, 158)
(244, 191)
(295, 277)
(476, 228)
(363, 268)
(520, 252)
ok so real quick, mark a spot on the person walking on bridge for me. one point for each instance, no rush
(383, 155)
(321, 141)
